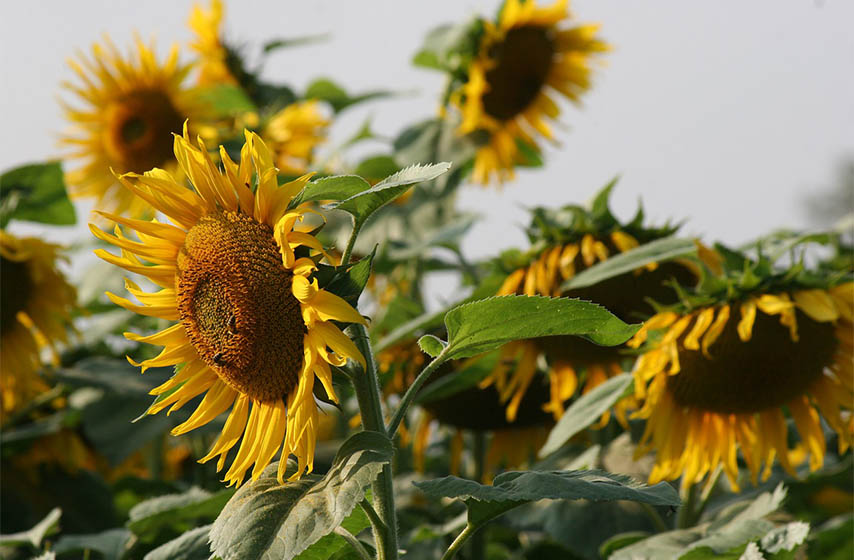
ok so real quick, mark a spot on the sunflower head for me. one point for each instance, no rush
(564, 243)
(506, 91)
(721, 368)
(36, 304)
(213, 56)
(253, 330)
(128, 109)
(293, 133)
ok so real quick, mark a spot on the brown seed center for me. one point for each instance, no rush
(236, 304)
(523, 61)
(139, 131)
(14, 291)
(765, 372)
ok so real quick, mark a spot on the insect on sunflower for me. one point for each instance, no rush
(253, 329)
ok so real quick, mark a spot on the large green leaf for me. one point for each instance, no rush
(347, 283)
(192, 545)
(585, 411)
(36, 193)
(223, 100)
(332, 543)
(36, 535)
(480, 326)
(337, 187)
(366, 202)
(112, 543)
(327, 90)
(512, 489)
(655, 251)
(267, 520)
(175, 511)
(731, 528)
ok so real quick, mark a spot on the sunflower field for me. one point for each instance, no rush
(273, 341)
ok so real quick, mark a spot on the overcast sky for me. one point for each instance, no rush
(724, 113)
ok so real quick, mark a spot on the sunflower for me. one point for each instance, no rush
(131, 108)
(253, 328)
(522, 62)
(721, 377)
(625, 296)
(293, 133)
(213, 55)
(36, 303)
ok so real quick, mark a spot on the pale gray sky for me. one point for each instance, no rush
(725, 113)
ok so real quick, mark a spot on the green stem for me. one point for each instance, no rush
(370, 406)
(411, 393)
(354, 542)
(653, 514)
(348, 250)
(686, 512)
(478, 539)
(459, 542)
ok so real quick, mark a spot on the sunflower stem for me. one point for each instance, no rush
(370, 407)
(348, 250)
(686, 512)
(655, 517)
(459, 542)
(411, 393)
(478, 540)
(353, 542)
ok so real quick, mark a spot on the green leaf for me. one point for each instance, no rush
(112, 543)
(585, 411)
(338, 187)
(785, 538)
(731, 528)
(267, 520)
(276, 44)
(365, 203)
(620, 541)
(462, 379)
(330, 544)
(480, 326)
(192, 545)
(512, 489)
(444, 46)
(656, 251)
(375, 168)
(600, 208)
(349, 283)
(36, 535)
(834, 540)
(431, 345)
(327, 90)
(36, 193)
(223, 100)
(174, 511)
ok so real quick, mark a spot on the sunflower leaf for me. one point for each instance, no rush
(366, 202)
(653, 252)
(483, 325)
(269, 520)
(192, 545)
(585, 411)
(223, 100)
(111, 544)
(36, 535)
(327, 90)
(35, 193)
(175, 511)
(512, 489)
(337, 187)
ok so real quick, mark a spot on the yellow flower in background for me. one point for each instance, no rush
(36, 303)
(213, 56)
(720, 378)
(252, 329)
(568, 357)
(130, 109)
(293, 133)
(523, 62)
